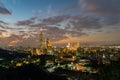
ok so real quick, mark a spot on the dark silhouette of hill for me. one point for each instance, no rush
(29, 72)
(110, 72)
(7, 55)
(4, 53)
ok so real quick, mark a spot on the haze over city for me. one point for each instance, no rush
(62, 21)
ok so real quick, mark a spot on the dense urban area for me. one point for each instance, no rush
(73, 62)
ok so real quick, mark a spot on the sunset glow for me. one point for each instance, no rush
(62, 21)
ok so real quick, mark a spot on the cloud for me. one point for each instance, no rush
(2, 22)
(77, 22)
(3, 31)
(18, 40)
(101, 7)
(85, 22)
(5, 35)
(14, 42)
(26, 22)
(74, 23)
(3, 25)
(113, 20)
(90, 18)
(53, 26)
(93, 15)
(3, 10)
(37, 22)
(55, 19)
(107, 11)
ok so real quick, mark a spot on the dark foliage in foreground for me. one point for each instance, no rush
(28, 72)
(110, 72)
(34, 72)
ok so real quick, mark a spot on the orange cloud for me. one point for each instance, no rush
(14, 42)
(5, 35)
(83, 40)
(68, 40)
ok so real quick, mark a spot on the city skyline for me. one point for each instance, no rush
(62, 21)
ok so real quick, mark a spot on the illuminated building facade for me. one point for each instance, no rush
(45, 46)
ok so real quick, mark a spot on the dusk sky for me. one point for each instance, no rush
(62, 21)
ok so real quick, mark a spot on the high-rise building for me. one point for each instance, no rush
(41, 39)
(78, 44)
(49, 46)
(47, 43)
(68, 46)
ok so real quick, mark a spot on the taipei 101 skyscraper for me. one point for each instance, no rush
(41, 39)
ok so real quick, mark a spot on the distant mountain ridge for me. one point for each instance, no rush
(4, 53)
(8, 55)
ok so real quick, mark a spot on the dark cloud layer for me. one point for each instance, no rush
(55, 19)
(107, 10)
(25, 22)
(85, 22)
(73, 28)
(3, 31)
(2, 22)
(3, 25)
(4, 10)
(77, 21)
(102, 7)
